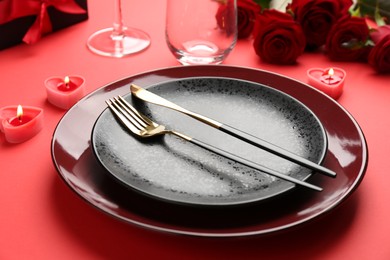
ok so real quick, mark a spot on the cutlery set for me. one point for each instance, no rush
(144, 127)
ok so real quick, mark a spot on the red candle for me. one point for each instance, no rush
(329, 77)
(20, 123)
(66, 85)
(330, 81)
(20, 119)
(64, 93)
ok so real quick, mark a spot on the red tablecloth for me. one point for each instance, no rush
(41, 218)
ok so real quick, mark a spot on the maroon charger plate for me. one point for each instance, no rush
(75, 162)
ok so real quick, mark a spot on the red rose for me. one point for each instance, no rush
(379, 33)
(278, 38)
(317, 17)
(225, 11)
(347, 39)
(247, 11)
(379, 56)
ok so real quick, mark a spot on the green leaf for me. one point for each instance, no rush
(265, 4)
(379, 19)
(383, 9)
(378, 10)
(367, 7)
(355, 11)
(370, 43)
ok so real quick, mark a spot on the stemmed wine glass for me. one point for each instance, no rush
(119, 40)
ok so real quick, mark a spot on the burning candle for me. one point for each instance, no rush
(20, 123)
(328, 77)
(330, 81)
(19, 119)
(64, 93)
(66, 85)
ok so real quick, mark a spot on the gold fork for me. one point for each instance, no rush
(143, 127)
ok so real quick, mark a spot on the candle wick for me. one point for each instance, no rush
(67, 81)
(20, 118)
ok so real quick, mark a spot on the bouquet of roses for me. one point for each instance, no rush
(346, 31)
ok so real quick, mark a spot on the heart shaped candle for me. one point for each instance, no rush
(330, 80)
(20, 123)
(65, 92)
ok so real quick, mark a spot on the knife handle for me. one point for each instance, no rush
(253, 140)
(251, 164)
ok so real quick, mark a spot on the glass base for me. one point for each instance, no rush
(105, 43)
(199, 53)
(193, 60)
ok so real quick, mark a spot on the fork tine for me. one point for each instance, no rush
(128, 114)
(131, 110)
(122, 116)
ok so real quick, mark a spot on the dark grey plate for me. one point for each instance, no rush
(173, 170)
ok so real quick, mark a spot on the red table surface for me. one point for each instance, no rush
(41, 218)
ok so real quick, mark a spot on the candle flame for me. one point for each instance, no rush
(19, 112)
(330, 72)
(66, 80)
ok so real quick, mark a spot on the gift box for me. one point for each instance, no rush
(28, 20)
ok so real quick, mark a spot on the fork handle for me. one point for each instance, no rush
(253, 140)
(246, 162)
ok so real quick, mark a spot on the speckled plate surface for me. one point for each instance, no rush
(171, 169)
(76, 164)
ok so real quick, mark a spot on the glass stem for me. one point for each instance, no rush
(118, 20)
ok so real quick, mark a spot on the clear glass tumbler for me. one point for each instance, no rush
(201, 31)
